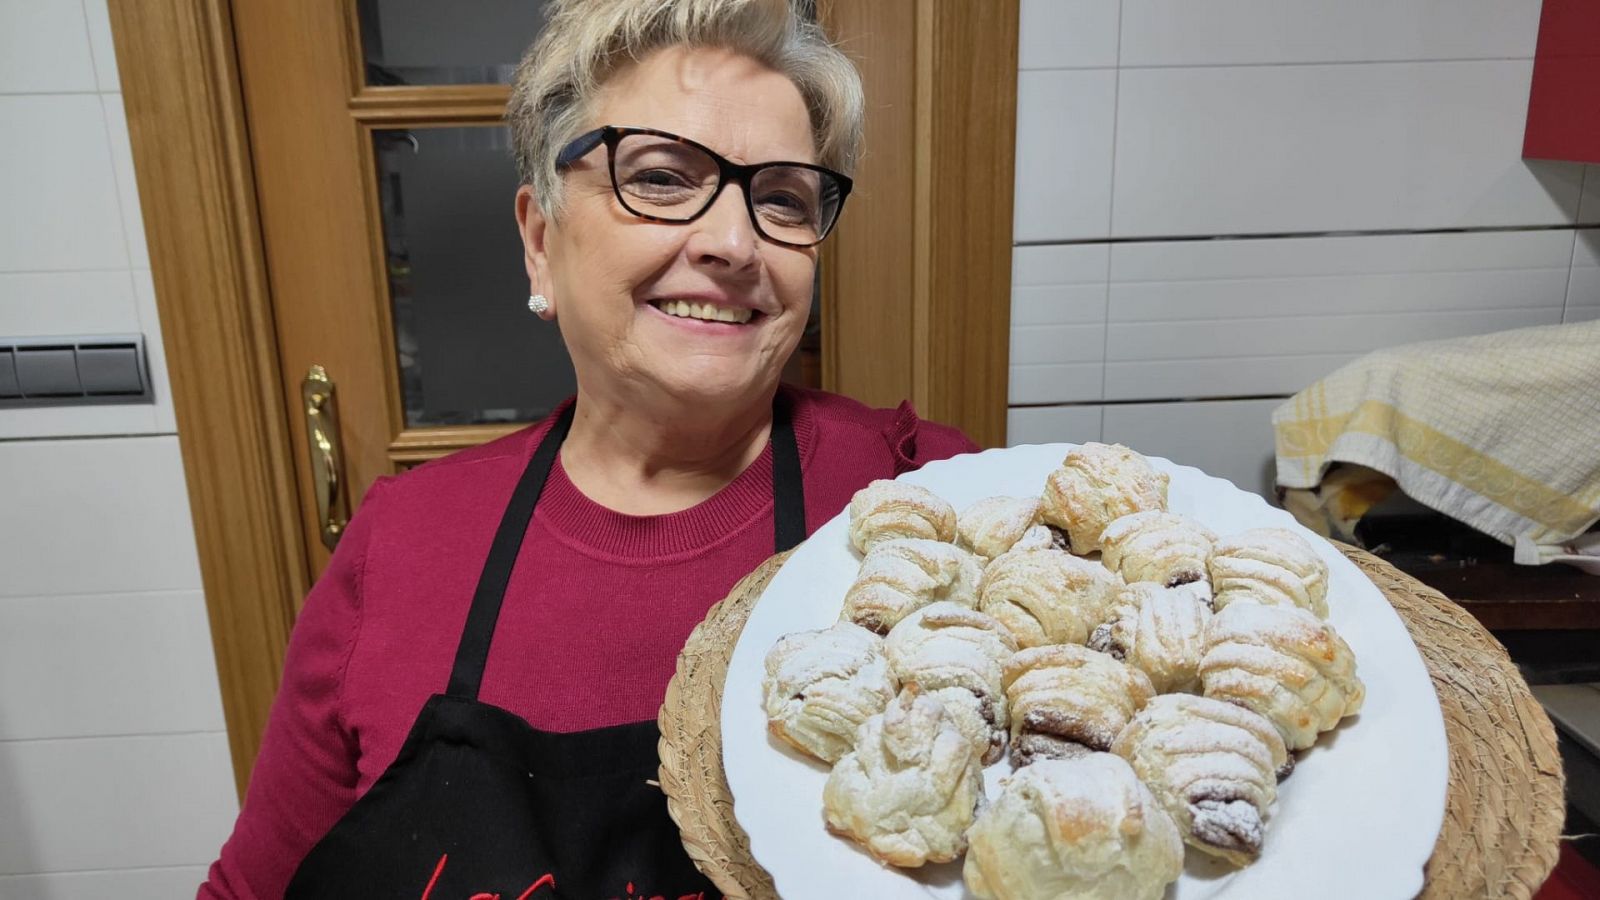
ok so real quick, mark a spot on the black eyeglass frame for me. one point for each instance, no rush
(611, 135)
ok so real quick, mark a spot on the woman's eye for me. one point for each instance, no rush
(659, 180)
(785, 204)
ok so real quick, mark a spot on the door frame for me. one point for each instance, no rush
(916, 285)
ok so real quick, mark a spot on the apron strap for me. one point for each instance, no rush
(788, 486)
(472, 654)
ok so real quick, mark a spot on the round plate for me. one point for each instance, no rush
(1357, 818)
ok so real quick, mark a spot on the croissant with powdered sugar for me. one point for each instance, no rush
(822, 685)
(1286, 665)
(887, 510)
(1271, 566)
(1213, 767)
(1047, 596)
(1095, 485)
(910, 789)
(1159, 631)
(899, 577)
(995, 525)
(1068, 700)
(958, 656)
(1079, 828)
(1164, 547)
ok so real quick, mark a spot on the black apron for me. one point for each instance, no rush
(479, 804)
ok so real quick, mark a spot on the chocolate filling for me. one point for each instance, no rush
(1059, 538)
(986, 708)
(871, 623)
(1030, 746)
(1226, 822)
(1064, 724)
(1287, 768)
(1103, 641)
(997, 735)
(1184, 576)
(1053, 734)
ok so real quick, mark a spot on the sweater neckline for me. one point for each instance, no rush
(565, 509)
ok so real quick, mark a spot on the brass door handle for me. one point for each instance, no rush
(327, 459)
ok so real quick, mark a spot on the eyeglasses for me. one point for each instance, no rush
(666, 178)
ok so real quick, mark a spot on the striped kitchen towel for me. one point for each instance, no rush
(1500, 431)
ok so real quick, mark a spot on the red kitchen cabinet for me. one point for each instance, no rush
(1564, 105)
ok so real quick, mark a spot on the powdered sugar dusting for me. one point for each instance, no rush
(994, 525)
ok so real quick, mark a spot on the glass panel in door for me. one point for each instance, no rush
(417, 42)
(469, 351)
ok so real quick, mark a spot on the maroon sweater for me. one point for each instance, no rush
(598, 606)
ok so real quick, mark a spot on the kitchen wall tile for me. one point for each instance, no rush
(1241, 32)
(1052, 425)
(1276, 149)
(95, 516)
(57, 186)
(101, 665)
(1065, 121)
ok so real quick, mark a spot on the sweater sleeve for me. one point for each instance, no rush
(304, 778)
(916, 442)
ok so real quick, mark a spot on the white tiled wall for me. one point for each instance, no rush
(1047, 424)
(44, 49)
(114, 768)
(1221, 202)
(1583, 292)
(1058, 313)
(1065, 124)
(1253, 149)
(1262, 32)
(1589, 206)
(1231, 439)
(61, 187)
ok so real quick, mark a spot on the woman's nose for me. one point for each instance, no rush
(724, 234)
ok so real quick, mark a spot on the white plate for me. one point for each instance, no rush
(1358, 817)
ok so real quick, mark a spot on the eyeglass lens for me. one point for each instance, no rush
(666, 179)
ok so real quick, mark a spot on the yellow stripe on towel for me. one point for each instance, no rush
(1311, 439)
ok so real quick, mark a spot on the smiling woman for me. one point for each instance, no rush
(469, 699)
(610, 271)
(646, 219)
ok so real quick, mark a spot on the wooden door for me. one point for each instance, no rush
(290, 155)
(385, 191)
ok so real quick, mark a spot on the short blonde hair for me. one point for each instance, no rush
(586, 40)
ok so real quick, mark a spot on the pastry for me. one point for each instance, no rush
(910, 789)
(1159, 631)
(1272, 566)
(958, 656)
(821, 685)
(898, 577)
(995, 525)
(1047, 596)
(886, 510)
(1068, 700)
(1095, 485)
(1283, 663)
(1157, 546)
(1212, 766)
(1075, 828)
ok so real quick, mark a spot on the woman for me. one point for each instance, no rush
(681, 162)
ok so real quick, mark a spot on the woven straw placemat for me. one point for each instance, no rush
(1503, 815)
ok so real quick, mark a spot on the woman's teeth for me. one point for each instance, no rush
(706, 311)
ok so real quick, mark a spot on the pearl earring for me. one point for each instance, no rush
(538, 305)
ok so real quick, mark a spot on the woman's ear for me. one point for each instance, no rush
(533, 227)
